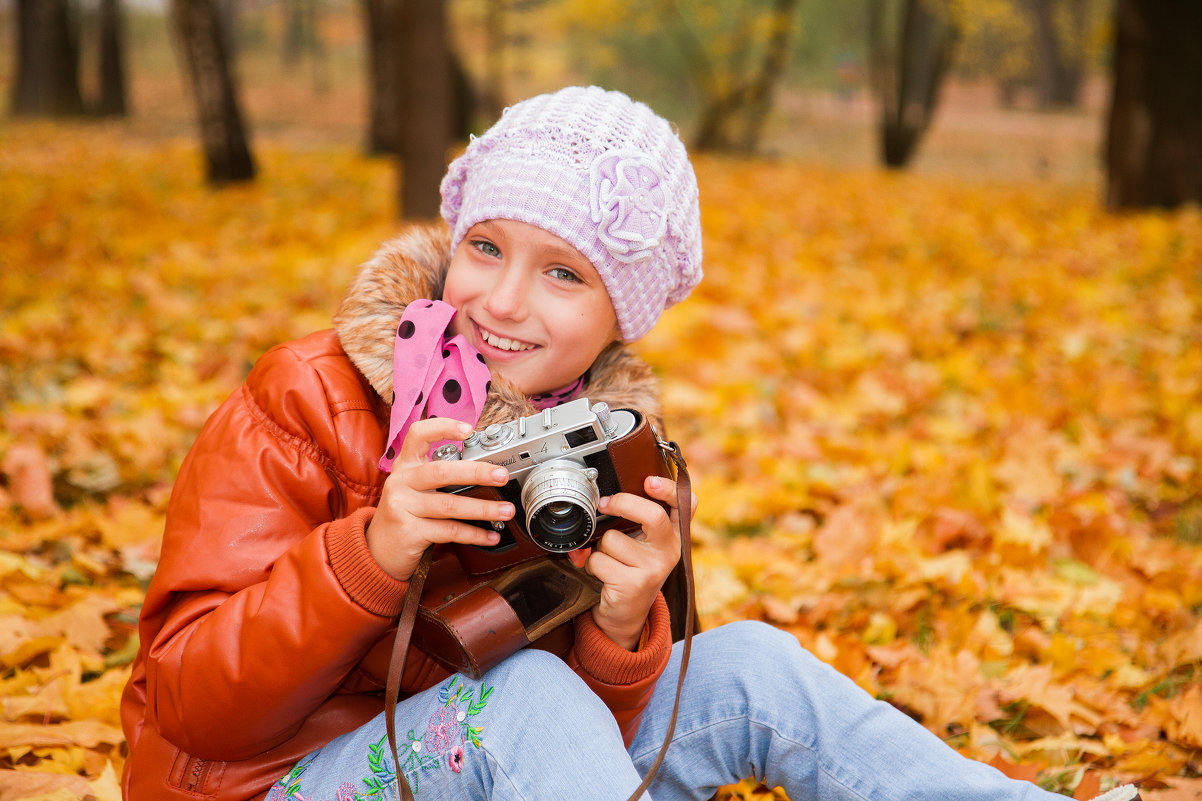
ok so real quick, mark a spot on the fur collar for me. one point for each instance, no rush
(414, 265)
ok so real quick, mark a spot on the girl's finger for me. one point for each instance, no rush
(664, 489)
(450, 506)
(647, 513)
(455, 473)
(424, 433)
(607, 569)
(448, 531)
(623, 548)
(579, 556)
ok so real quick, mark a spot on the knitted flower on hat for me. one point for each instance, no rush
(602, 172)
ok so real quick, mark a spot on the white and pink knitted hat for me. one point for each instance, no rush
(602, 172)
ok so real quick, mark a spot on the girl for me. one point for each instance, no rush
(308, 500)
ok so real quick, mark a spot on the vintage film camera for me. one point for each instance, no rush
(561, 461)
(481, 604)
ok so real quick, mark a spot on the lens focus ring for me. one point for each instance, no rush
(560, 498)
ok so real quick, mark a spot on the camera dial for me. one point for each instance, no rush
(607, 421)
(495, 436)
(447, 452)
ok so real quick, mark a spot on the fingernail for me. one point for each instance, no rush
(506, 510)
(656, 482)
(465, 429)
(603, 503)
(500, 474)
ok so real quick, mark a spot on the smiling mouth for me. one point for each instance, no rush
(503, 343)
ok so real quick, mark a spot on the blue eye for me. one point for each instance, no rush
(486, 247)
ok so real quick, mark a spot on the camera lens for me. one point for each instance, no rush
(560, 498)
(560, 521)
(560, 511)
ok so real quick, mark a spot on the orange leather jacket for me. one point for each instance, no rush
(266, 630)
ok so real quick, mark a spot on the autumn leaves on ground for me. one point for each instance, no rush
(948, 435)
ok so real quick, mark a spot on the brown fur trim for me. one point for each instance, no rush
(411, 266)
(414, 265)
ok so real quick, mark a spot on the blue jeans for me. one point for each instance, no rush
(755, 704)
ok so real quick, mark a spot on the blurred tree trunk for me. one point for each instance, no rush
(763, 83)
(227, 16)
(1060, 69)
(386, 23)
(734, 111)
(383, 22)
(493, 90)
(202, 36)
(47, 69)
(908, 67)
(1154, 136)
(300, 30)
(426, 106)
(112, 60)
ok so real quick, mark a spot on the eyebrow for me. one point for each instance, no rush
(570, 255)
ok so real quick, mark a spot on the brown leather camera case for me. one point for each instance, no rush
(471, 626)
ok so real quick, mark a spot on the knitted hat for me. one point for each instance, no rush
(605, 174)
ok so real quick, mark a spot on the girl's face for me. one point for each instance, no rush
(530, 303)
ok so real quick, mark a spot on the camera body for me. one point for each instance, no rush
(561, 461)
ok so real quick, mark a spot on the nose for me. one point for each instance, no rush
(507, 296)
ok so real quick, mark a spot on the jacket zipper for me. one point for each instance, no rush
(196, 772)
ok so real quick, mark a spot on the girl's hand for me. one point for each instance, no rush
(633, 567)
(413, 514)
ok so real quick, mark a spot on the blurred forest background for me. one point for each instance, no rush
(941, 386)
(842, 82)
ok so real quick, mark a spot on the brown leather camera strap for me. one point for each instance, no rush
(400, 645)
(684, 509)
(396, 665)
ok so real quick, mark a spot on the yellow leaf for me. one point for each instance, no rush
(28, 785)
(1185, 726)
(106, 786)
(82, 624)
(84, 733)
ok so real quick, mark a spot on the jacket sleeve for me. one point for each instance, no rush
(266, 597)
(623, 679)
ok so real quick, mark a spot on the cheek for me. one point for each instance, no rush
(450, 288)
(459, 323)
(589, 333)
(456, 290)
(457, 285)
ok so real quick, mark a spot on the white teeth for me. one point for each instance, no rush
(502, 342)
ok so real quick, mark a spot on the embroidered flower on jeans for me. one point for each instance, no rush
(449, 731)
(443, 730)
(629, 204)
(455, 758)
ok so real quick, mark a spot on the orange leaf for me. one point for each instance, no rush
(1027, 773)
(1089, 786)
(29, 480)
(1185, 725)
